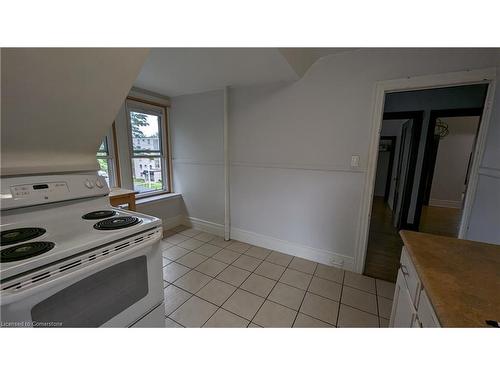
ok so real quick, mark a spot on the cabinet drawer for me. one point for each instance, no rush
(411, 277)
(426, 313)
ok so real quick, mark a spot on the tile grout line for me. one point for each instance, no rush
(277, 281)
(268, 294)
(376, 300)
(252, 272)
(304, 297)
(340, 300)
(231, 296)
(265, 298)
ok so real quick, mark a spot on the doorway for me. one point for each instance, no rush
(397, 158)
(434, 152)
(449, 151)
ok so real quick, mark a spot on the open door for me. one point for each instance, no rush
(401, 175)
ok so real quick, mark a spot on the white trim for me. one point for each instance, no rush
(204, 225)
(307, 167)
(198, 162)
(445, 203)
(170, 172)
(137, 92)
(131, 104)
(330, 258)
(172, 222)
(479, 147)
(418, 83)
(158, 197)
(490, 172)
(227, 188)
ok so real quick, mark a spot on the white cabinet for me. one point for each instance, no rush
(411, 306)
(426, 313)
(403, 311)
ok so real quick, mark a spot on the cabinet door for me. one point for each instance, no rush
(403, 312)
(426, 313)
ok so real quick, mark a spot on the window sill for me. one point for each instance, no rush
(159, 197)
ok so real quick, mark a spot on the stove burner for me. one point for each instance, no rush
(117, 223)
(97, 215)
(13, 236)
(25, 251)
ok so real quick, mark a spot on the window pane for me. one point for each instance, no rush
(147, 174)
(104, 169)
(145, 132)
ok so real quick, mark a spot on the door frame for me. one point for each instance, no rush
(411, 84)
(429, 161)
(416, 132)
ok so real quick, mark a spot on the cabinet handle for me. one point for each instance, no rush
(404, 270)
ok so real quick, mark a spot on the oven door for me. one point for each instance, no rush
(114, 292)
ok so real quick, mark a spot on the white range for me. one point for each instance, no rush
(70, 259)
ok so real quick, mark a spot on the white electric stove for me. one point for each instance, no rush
(70, 259)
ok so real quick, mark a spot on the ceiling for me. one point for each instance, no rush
(180, 71)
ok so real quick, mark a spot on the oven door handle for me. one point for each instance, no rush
(9, 297)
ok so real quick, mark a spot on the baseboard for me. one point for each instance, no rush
(204, 225)
(317, 255)
(172, 222)
(445, 203)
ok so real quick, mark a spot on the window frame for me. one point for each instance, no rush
(112, 157)
(156, 109)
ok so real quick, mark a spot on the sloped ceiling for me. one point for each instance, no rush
(57, 105)
(180, 71)
(301, 59)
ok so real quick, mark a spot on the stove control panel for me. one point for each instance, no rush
(27, 191)
(43, 190)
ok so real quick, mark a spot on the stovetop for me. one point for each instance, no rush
(69, 232)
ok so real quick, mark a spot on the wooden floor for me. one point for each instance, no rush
(384, 243)
(442, 221)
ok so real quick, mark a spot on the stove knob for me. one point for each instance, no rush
(89, 184)
(99, 184)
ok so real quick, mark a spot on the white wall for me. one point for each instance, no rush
(291, 183)
(452, 160)
(170, 211)
(197, 128)
(291, 145)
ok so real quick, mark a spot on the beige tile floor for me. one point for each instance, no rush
(210, 282)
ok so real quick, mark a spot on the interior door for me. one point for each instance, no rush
(402, 173)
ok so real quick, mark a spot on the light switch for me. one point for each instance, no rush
(354, 161)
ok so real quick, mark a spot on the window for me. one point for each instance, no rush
(105, 160)
(147, 133)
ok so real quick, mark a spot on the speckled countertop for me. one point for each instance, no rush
(461, 278)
